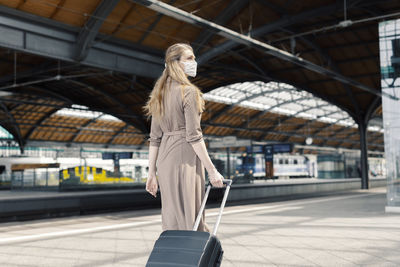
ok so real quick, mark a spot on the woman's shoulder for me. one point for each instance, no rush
(189, 88)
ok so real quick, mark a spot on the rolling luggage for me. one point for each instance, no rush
(190, 248)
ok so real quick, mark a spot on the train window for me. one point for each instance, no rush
(295, 161)
(280, 161)
(286, 161)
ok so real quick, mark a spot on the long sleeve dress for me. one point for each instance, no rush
(181, 175)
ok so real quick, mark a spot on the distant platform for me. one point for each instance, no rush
(25, 205)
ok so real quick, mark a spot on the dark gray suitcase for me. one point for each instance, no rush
(190, 248)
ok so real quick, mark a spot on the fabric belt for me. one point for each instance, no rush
(179, 132)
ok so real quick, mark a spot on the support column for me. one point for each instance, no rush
(390, 83)
(362, 128)
(228, 163)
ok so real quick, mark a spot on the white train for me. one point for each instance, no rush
(285, 166)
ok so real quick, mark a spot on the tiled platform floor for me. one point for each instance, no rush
(349, 229)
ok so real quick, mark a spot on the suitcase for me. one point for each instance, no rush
(190, 248)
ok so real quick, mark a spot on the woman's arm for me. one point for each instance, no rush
(151, 183)
(194, 135)
(155, 139)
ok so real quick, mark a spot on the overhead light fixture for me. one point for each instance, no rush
(309, 140)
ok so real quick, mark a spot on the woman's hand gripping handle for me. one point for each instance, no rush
(152, 183)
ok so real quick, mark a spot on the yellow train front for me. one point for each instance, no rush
(85, 176)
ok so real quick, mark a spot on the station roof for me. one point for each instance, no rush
(106, 55)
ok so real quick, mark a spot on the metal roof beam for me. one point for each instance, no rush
(270, 109)
(297, 113)
(153, 24)
(89, 32)
(247, 40)
(271, 27)
(329, 60)
(371, 109)
(45, 37)
(225, 16)
(141, 125)
(301, 127)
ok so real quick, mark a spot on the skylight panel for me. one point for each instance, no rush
(331, 108)
(308, 102)
(318, 112)
(347, 122)
(231, 93)
(285, 95)
(284, 111)
(254, 105)
(108, 117)
(327, 119)
(264, 100)
(267, 100)
(221, 99)
(4, 134)
(267, 97)
(307, 115)
(84, 112)
(250, 87)
(293, 106)
(337, 115)
(375, 129)
(79, 106)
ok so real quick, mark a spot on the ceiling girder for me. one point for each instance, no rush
(271, 27)
(225, 16)
(182, 15)
(45, 37)
(89, 32)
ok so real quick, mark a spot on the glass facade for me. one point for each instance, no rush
(389, 44)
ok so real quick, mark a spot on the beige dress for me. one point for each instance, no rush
(180, 172)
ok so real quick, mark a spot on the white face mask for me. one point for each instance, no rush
(190, 67)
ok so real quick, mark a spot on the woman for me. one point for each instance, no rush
(177, 150)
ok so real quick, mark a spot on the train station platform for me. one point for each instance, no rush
(342, 229)
(26, 205)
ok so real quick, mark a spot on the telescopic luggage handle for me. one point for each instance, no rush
(228, 182)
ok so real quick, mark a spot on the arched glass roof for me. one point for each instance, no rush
(4, 134)
(85, 112)
(283, 99)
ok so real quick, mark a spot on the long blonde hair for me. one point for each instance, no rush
(154, 106)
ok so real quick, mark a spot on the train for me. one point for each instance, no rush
(244, 167)
(285, 166)
(88, 172)
(90, 176)
(346, 165)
